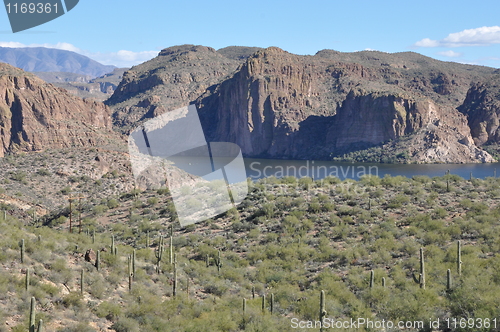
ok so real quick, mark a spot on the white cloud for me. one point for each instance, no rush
(122, 58)
(426, 42)
(471, 37)
(450, 54)
(11, 44)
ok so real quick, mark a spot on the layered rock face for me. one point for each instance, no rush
(35, 115)
(274, 104)
(482, 108)
(437, 133)
(280, 105)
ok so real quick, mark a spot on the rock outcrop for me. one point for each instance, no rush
(280, 105)
(274, 104)
(177, 76)
(482, 108)
(35, 115)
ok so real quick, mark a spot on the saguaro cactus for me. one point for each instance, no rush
(98, 260)
(40, 326)
(174, 284)
(32, 316)
(448, 280)
(171, 257)
(130, 273)
(459, 257)
(383, 282)
(422, 269)
(218, 262)
(421, 277)
(253, 292)
(272, 303)
(159, 253)
(322, 310)
(133, 264)
(263, 303)
(372, 278)
(22, 251)
(82, 280)
(27, 281)
(113, 245)
(244, 306)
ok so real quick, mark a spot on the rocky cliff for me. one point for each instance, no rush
(279, 105)
(177, 76)
(482, 108)
(35, 115)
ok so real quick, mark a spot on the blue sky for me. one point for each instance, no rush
(124, 32)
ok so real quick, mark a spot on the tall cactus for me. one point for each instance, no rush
(174, 283)
(40, 326)
(32, 316)
(159, 253)
(113, 245)
(372, 278)
(263, 303)
(244, 306)
(448, 280)
(82, 280)
(171, 248)
(27, 280)
(421, 277)
(133, 264)
(253, 292)
(422, 269)
(459, 257)
(272, 303)
(218, 262)
(322, 310)
(130, 273)
(98, 260)
(383, 282)
(147, 239)
(22, 251)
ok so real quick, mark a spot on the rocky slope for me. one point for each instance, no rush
(177, 76)
(482, 108)
(99, 89)
(35, 115)
(279, 105)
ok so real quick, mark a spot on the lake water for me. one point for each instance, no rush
(261, 168)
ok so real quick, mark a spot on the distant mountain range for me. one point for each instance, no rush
(41, 59)
(364, 106)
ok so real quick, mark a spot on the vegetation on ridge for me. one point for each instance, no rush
(289, 240)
